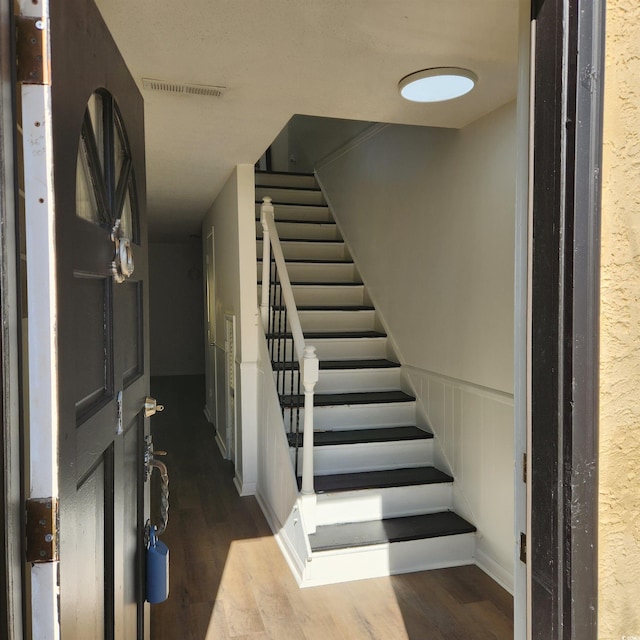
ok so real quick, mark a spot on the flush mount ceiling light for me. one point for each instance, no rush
(437, 85)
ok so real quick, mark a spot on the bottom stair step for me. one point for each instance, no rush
(361, 534)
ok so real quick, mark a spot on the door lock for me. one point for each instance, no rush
(151, 407)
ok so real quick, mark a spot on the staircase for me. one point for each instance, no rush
(382, 507)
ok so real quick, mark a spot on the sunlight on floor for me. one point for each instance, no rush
(257, 592)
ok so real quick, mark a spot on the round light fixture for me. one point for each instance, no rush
(437, 85)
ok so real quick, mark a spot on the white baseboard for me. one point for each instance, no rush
(283, 541)
(244, 488)
(494, 571)
(221, 446)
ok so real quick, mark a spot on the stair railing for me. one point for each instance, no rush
(295, 363)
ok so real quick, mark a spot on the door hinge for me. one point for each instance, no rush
(42, 530)
(32, 50)
(523, 548)
(524, 467)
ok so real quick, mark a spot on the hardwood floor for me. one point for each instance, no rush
(228, 578)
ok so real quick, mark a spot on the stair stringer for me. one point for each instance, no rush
(277, 489)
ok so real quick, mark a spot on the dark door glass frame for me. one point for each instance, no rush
(567, 147)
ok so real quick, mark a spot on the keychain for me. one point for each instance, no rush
(157, 553)
(157, 567)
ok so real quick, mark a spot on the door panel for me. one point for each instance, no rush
(97, 425)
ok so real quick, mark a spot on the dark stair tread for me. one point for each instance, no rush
(320, 335)
(320, 222)
(294, 204)
(310, 240)
(318, 261)
(329, 307)
(340, 365)
(327, 284)
(268, 172)
(334, 399)
(361, 436)
(288, 187)
(410, 476)
(360, 534)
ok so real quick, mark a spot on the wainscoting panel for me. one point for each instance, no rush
(474, 429)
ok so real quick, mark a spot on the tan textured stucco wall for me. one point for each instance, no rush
(619, 543)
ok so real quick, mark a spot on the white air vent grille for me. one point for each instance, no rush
(182, 88)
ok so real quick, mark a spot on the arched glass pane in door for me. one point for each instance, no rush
(105, 180)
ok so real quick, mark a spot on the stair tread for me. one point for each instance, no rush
(359, 534)
(293, 204)
(311, 240)
(410, 476)
(329, 307)
(327, 284)
(362, 436)
(341, 365)
(334, 399)
(268, 172)
(287, 187)
(321, 335)
(316, 222)
(315, 261)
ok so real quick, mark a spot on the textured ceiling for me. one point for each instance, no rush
(336, 58)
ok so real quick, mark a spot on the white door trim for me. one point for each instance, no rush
(42, 358)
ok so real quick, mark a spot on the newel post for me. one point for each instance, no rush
(265, 208)
(310, 374)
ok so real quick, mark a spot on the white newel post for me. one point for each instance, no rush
(265, 209)
(310, 373)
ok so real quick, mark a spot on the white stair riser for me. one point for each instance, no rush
(299, 212)
(337, 320)
(309, 251)
(330, 567)
(318, 272)
(286, 180)
(293, 196)
(343, 348)
(361, 416)
(351, 381)
(374, 504)
(306, 231)
(369, 456)
(326, 295)
(316, 321)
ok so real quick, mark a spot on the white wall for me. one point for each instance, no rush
(176, 308)
(310, 139)
(428, 215)
(232, 216)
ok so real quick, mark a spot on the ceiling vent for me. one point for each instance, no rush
(208, 91)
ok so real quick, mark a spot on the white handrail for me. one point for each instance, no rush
(305, 355)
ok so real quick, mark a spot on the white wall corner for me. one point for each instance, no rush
(249, 423)
(291, 538)
(501, 575)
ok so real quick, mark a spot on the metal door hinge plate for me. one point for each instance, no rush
(32, 50)
(523, 548)
(42, 530)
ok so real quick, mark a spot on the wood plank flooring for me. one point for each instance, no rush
(228, 578)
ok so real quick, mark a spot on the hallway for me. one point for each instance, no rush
(228, 578)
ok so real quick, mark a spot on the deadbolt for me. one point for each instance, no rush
(151, 407)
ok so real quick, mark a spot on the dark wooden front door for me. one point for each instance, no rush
(99, 184)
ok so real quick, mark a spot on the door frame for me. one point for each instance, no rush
(567, 105)
(12, 612)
